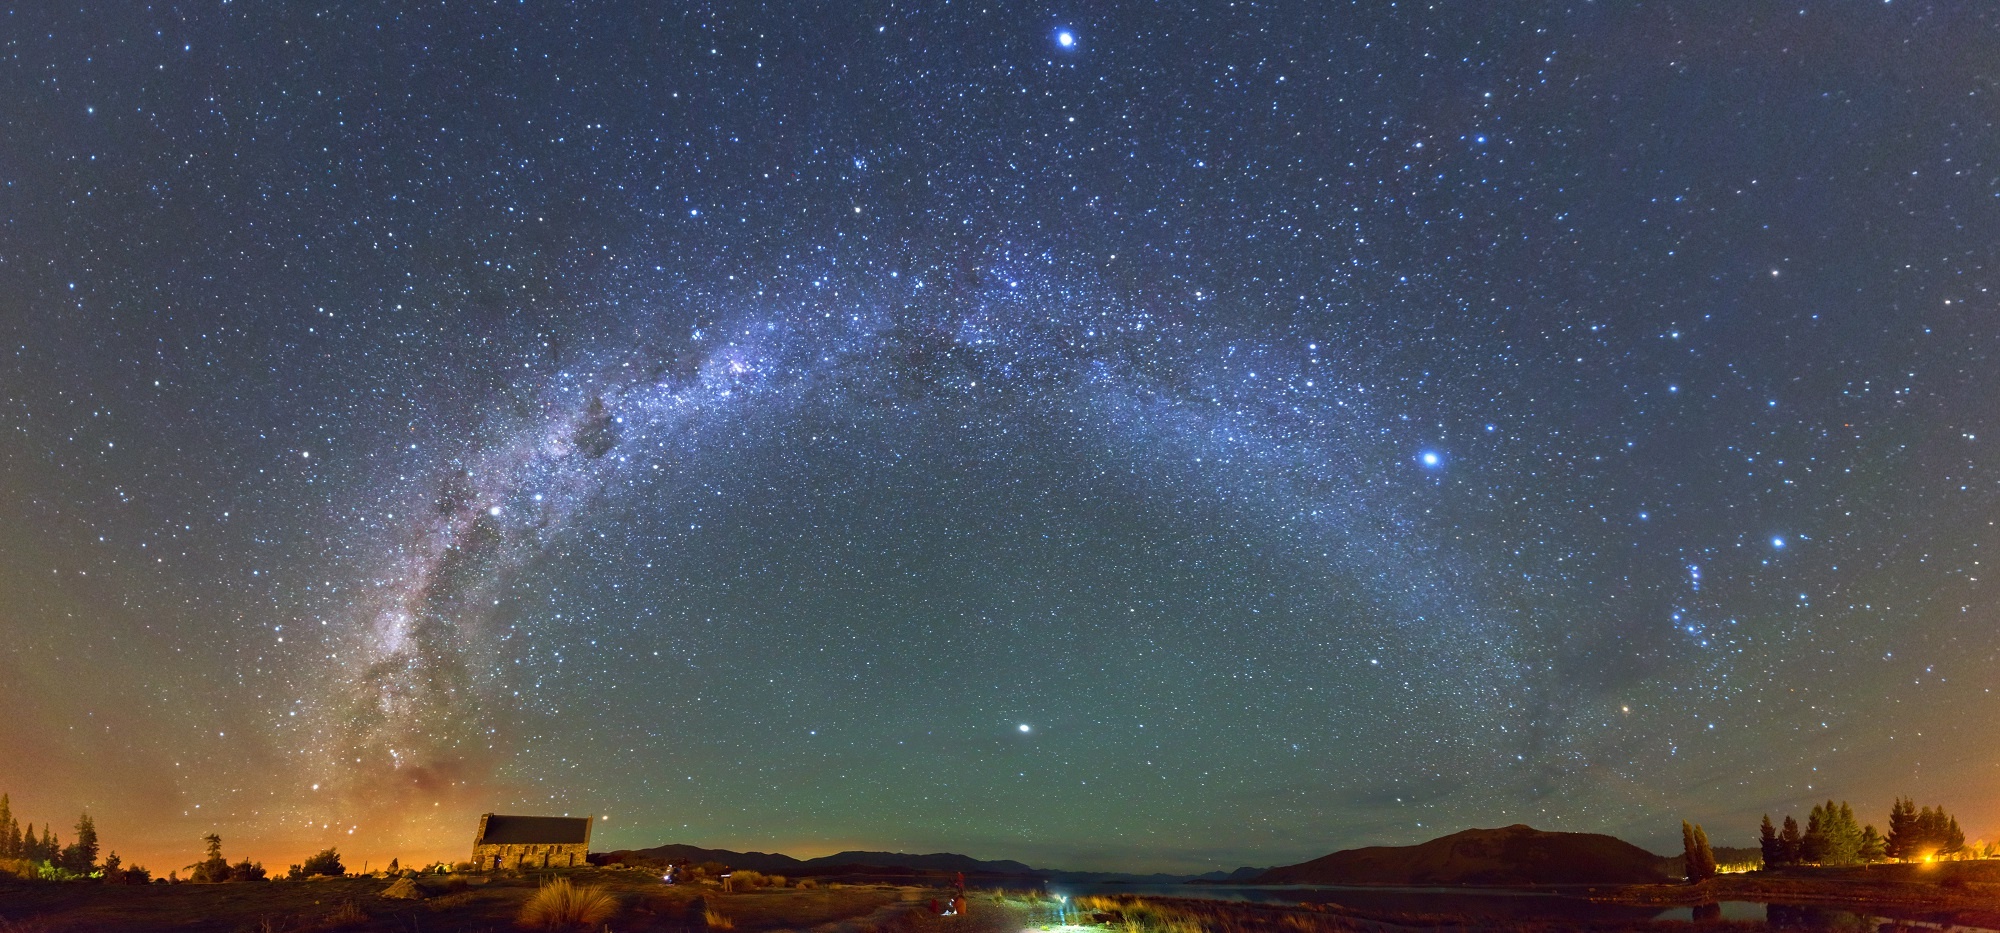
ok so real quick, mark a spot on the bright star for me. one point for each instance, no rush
(1065, 38)
(1024, 727)
(1431, 459)
(1778, 542)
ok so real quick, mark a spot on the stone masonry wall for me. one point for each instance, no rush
(528, 856)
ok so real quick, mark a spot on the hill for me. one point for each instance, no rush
(1515, 854)
(862, 863)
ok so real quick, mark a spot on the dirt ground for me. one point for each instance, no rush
(356, 905)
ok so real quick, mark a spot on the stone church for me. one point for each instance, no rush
(530, 842)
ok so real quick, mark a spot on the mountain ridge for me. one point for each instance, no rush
(1510, 855)
(857, 861)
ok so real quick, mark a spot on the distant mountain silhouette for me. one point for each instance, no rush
(767, 862)
(1243, 874)
(858, 862)
(1516, 854)
(938, 861)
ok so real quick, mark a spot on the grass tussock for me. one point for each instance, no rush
(560, 905)
(347, 914)
(717, 920)
(745, 880)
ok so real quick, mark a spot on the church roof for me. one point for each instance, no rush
(534, 830)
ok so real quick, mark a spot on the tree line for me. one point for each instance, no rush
(1832, 836)
(27, 854)
(214, 868)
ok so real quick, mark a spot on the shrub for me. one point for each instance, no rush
(716, 920)
(560, 905)
(325, 862)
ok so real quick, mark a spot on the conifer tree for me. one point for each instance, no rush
(81, 856)
(10, 835)
(1793, 843)
(1954, 838)
(1902, 842)
(1768, 844)
(1873, 847)
(1930, 830)
(1703, 854)
(1843, 836)
(214, 867)
(1690, 862)
(1812, 846)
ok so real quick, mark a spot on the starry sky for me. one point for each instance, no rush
(1117, 435)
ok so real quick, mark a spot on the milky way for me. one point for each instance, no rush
(1315, 427)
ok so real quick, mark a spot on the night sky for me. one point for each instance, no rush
(1121, 435)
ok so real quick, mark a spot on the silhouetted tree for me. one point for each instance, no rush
(323, 862)
(212, 869)
(1768, 844)
(44, 849)
(81, 856)
(1902, 842)
(246, 870)
(10, 834)
(1704, 854)
(1873, 847)
(1695, 855)
(115, 872)
(1841, 834)
(1792, 841)
(1920, 833)
(1812, 845)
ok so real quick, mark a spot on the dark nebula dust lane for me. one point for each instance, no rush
(1214, 438)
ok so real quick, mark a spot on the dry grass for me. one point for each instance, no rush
(347, 914)
(745, 880)
(1130, 914)
(560, 905)
(717, 920)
